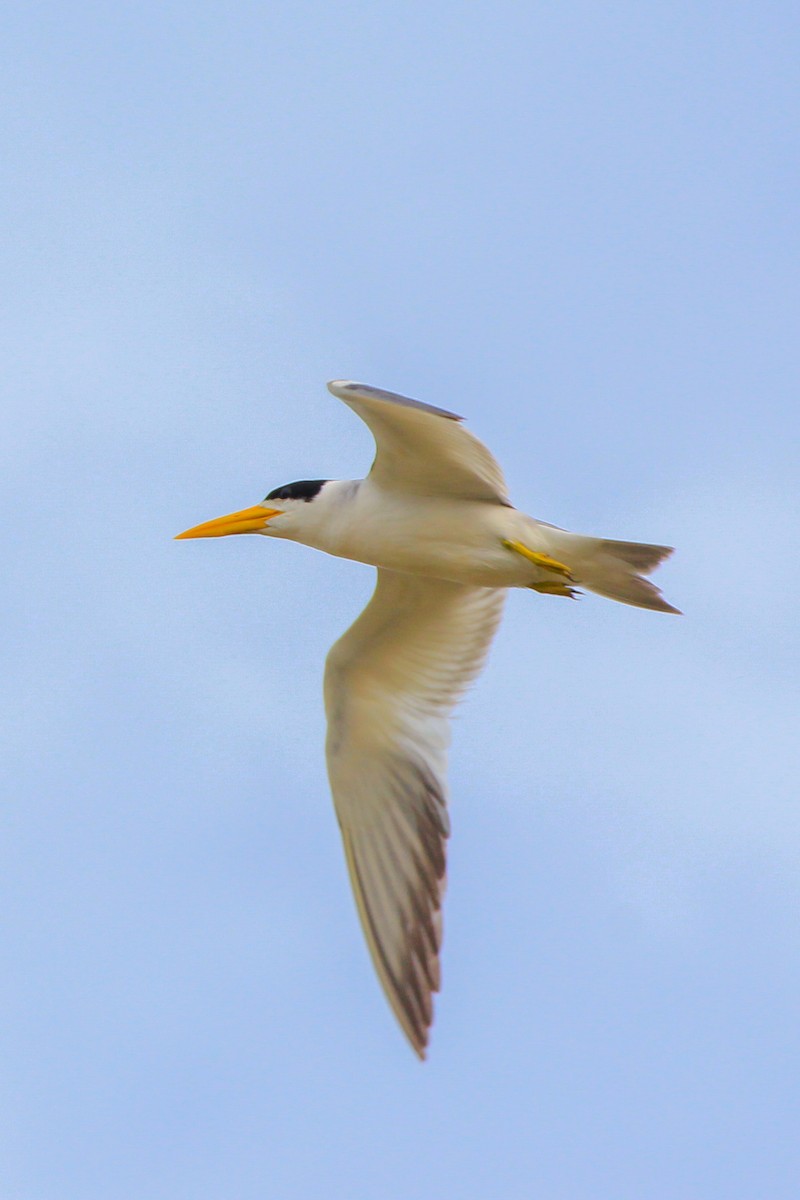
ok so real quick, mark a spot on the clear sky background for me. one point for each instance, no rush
(576, 224)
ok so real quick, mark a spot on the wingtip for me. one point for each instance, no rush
(418, 1044)
(337, 386)
(348, 390)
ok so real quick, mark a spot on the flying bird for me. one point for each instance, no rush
(433, 516)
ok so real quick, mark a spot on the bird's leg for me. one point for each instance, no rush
(540, 560)
(555, 589)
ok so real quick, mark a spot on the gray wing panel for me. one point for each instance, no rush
(423, 450)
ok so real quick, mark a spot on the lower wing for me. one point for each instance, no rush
(391, 683)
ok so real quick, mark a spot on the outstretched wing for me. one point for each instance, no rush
(390, 684)
(422, 449)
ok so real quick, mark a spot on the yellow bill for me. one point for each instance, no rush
(249, 520)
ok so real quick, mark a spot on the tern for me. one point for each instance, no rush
(433, 516)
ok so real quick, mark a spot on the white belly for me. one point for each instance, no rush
(448, 539)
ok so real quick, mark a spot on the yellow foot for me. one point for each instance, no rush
(540, 560)
(555, 589)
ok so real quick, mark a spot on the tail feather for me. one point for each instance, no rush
(612, 569)
(637, 554)
(632, 589)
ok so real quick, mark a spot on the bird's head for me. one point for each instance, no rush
(287, 501)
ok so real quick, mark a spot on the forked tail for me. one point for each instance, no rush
(617, 569)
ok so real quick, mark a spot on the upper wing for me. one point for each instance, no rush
(390, 684)
(422, 449)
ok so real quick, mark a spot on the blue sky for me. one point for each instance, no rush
(577, 225)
